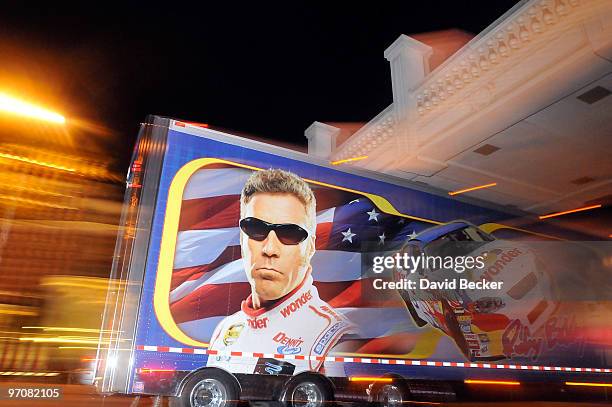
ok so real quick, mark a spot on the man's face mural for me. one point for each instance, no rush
(275, 268)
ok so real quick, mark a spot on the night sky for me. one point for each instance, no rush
(259, 68)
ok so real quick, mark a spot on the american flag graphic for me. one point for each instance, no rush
(209, 282)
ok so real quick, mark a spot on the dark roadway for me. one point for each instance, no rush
(82, 395)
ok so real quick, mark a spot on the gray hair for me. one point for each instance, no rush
(280, 181)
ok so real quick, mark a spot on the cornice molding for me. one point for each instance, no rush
(514, 38)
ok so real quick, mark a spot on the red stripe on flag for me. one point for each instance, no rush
(323, 232)
(210, 213)
(179, 276)
(330, 198)
(210, 301)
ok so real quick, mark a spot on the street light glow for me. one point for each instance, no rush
(19, 107)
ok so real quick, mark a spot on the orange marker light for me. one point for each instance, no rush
(588, 384)
(586, 208)
(371, 379)
(348, 160)
(461, 191)
(498, 382)
(146, 370)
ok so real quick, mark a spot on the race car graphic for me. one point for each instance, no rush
(476, 319)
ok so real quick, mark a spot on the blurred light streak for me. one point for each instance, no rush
(461, 191)
(59, 339)
(89, 359)
(586, 208)
(83, 282)
(348, 160)
(35, 162)
(19, 107)
(35, 202)
(78, 347)
(370, 379)
(9, 309)
(47, 374)
(32, 189)
(91, 127)
(15, 294)
(497, 382)
(67, 329)
(588, 384)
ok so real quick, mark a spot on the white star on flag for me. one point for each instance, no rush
(382, 238)
(412, 235)
(348, 235)
(373, 214)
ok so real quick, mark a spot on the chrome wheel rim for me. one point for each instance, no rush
(208, 393)
(390, 396)
(307, 395)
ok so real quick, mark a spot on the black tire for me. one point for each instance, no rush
(208, 388)
(394, 394)
(307, 391)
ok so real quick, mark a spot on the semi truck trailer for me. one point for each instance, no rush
(247, 271)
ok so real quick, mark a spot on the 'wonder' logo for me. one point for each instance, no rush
(297, 304)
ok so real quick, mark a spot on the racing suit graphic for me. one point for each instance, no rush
(298, 324)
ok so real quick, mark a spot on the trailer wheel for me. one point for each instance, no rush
(307, 391)
(394, 394)
(209, 388)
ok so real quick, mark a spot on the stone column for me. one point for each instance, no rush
(321, 139)
(409, 60)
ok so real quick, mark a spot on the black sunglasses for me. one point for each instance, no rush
(287, 233)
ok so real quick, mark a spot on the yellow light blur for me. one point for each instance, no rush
(348, 160)
(35, 202)
(9, 309)
(48, 374)
(60, 339)
(370, 379)
(66, 329)
(586, 208)
(35, 162)
(498, 382)
(19, 107)
(588, 384)
(461, 191)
